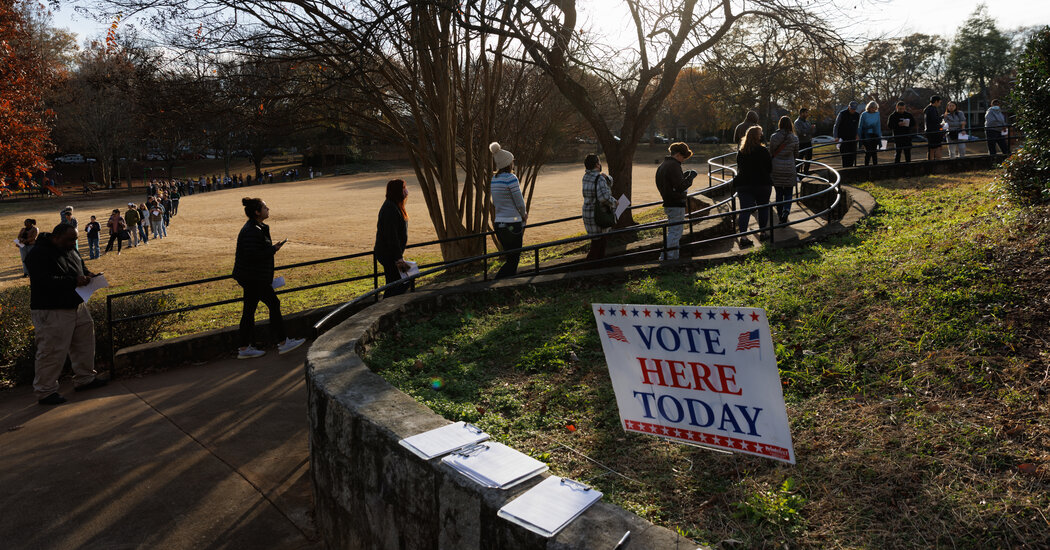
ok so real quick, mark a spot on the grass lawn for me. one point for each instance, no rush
(914, 362)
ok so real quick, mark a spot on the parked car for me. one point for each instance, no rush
(823, 140)
(660, 138)
(154, 156)
(710, 140)
(72, 158)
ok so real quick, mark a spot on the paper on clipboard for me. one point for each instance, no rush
(97, 282)
(413, 269)
(550, 506)
(621, 205)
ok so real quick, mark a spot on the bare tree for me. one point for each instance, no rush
(668, 35)
(419, 78)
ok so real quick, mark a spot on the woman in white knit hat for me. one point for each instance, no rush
(510, 208)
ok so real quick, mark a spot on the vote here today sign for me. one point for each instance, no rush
(701, 375)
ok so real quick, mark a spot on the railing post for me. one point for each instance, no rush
(484, 254)
(112, 345)
(375, 272)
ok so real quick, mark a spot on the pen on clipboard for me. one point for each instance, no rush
(623, 540)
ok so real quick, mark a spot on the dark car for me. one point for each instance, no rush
(710, 140)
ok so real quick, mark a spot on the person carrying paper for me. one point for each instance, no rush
(596, 194)
(61, 319)
(392, 237)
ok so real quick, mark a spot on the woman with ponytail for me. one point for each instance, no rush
(253, 270)
(510, 208)
(392, 236)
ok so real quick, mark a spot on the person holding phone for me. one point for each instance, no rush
(253, 269)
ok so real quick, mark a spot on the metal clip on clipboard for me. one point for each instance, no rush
(575, 485)
(472, 450)
(472, 428)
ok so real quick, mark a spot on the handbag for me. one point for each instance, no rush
(604, 216)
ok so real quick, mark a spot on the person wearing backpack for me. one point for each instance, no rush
(597, 194)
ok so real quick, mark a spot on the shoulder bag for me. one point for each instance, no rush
(604, 216)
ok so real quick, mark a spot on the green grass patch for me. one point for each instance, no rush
(910, 399)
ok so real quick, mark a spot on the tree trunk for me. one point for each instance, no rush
(620, 165)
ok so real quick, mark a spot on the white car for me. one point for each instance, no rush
(823, 140)
(72, 158)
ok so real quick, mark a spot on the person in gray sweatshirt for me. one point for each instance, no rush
(510, 208)
(996, 129)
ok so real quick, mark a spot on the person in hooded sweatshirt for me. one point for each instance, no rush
(996, 129)
(61, 319)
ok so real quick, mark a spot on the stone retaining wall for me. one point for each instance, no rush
(370, 492)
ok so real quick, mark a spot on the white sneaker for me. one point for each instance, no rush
(289, 344)
(250, 353)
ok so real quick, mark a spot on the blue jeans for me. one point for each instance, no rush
(143, 234)
(93, 250)
(674, 232)
(510, 236)
(750, 197)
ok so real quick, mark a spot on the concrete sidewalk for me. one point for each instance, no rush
(210, 456)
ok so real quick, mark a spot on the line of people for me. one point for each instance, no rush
(948, 128)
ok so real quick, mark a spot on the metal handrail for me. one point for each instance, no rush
(832, 187)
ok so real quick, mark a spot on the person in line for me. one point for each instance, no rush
(253, 268)
(753, 183)
(117, 228)
(996, 129)
(66, 217)
(900, 123)
(597, 193)
(131, 218)
(804, 129)
(156, 219)
(510, 209)
(175, 196)
(845, 133)
(672, 183)
(165, 205)
(784, 145)
(869, 129)
(144, 225)
(61, 319)
(392, 237)
(956, 121)
(27, 238)
(750, 119)
(934, 136)
(92, 230)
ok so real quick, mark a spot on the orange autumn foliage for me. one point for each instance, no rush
(25, 133)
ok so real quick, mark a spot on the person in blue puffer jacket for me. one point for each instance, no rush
(869, 131)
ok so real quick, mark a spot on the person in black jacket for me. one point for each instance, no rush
(672, 183)
(753, 182)
(934, 136)
(901, 123)
(61, 319)
(392, 236)
(845, 132)
(253, 269)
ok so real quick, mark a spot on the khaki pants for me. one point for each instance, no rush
(62, 332)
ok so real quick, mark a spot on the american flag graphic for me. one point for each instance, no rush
(747, 340)
(615, 333)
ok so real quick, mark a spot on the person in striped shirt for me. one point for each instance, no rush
(510, 208)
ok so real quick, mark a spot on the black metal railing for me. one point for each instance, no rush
(714, 183)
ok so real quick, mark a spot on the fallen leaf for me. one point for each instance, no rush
(1027, 468)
